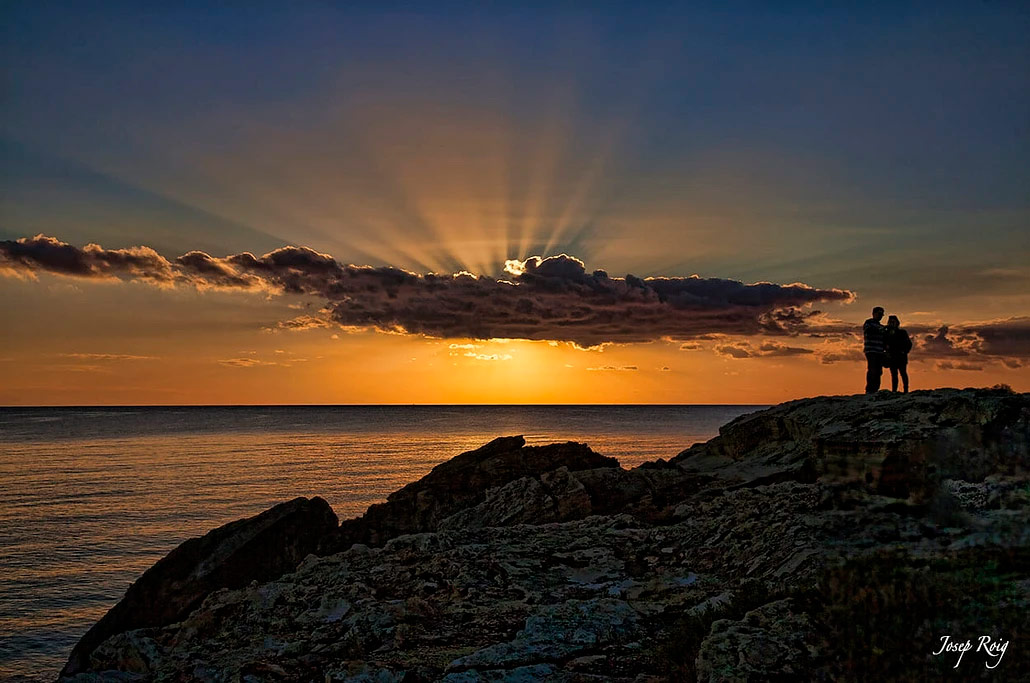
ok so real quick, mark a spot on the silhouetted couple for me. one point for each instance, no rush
(885, 347)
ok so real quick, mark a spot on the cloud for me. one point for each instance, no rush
(1006, 340)
(488, 356)
(556, 299)
(965, 346)
(828, 357)
(301, 323)
(940, 344)
(773, 348)
(734, 350)
(1009, 337)
(958, 365)
(471, 351)
(105, 356)
(42, 253)
(245, 362)
(614, 368)
(552, 298)
(743, 349)
(297, 270)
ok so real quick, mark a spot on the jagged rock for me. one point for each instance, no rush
(898, 445)
(461, 482)
(773, 642)
(645, 492)
(555, 496)
(562, 495)
(258, 548)
(556, 633)
(993, 493)
(727, 564)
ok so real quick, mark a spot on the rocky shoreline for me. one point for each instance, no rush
(833, 538)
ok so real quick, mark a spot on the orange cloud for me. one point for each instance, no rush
(245, 362)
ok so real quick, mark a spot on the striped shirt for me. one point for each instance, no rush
(873, 334)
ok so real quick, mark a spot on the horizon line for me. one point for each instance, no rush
(366, 405)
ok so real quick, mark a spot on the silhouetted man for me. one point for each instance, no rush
(873, 334)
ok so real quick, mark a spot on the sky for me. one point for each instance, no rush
(444, 202)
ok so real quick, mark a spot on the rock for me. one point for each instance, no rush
(561, 495)
(773, 642)
(644, 492)
(259, 548)
(462, 482)
(556, 633)
(993, 493)
(899, 445)
(756, 556)
(553, 497)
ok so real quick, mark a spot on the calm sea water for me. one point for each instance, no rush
(91, 497)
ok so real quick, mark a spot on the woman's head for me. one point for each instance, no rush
(892, 321)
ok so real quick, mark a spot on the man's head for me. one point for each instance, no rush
(877, 313)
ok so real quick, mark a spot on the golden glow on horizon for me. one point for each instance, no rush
(223, 357)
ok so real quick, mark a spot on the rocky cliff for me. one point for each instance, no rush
(831, 538)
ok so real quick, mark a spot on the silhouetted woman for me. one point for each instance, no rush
(898, 345)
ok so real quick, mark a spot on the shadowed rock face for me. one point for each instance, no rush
(757, 556)
(460, 483)
(897, 445)
(259, 548)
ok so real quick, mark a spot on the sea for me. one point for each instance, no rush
(92, 497)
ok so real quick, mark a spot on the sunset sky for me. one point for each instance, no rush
(508, 202)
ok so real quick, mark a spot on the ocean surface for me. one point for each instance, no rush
(92, 497)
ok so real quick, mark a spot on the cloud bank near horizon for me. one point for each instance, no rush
(553, 298)
(967, 346)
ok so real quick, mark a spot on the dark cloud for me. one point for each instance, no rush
(303, 322)
(1007, 340)
(944, 343)
(556, 299)
(734, 350)
(968, 346)
(829, 357)
(766, 349)
(789, 321)
(552, 298)
(778, 349)
(42, 253)
(1009, 337)
(206, 271)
